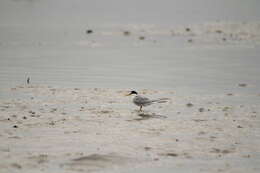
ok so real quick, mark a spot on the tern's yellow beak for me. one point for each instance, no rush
(128, 94)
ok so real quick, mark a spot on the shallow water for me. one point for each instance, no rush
(192, 68)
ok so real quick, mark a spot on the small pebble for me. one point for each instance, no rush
(28, 80)
(201, 109)
(147, 148)
(89, 31)
(218, 31)
(242, 85)
(127, 33)
(32, 112)
(189, 104)
(53, 109)
(24, 117)
(52, 123)
(201, 133)
(239, 126)
(141, 38)
(187, 29)
(247, 156)
(226, 108)
(15, 126)
(172, 154)
(16, 165)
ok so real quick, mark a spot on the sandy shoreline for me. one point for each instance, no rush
(83, 56)
(46, 129)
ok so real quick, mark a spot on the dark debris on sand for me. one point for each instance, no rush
(89, 31)
(189, 104)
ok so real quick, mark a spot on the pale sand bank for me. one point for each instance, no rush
(46, 129)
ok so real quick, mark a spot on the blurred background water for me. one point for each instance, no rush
(205, 46)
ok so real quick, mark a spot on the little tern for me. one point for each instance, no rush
(143, 101)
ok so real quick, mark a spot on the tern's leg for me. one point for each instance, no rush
(141, 108)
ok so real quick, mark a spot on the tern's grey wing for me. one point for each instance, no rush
(142, 101)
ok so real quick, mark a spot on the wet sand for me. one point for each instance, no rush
(50, 129)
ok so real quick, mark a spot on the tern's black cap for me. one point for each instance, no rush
(133, 92)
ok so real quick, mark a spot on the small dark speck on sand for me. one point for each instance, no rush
(16, 165)
(226, 108)
(93, 157)
(216, 150)
(24, 117)
(105, 111)
(239, 126)
(224, 39)
(28, 80)
(52, 123)
(190, 40)
(226, 151)
(201, 109)
(53, 109)
(218, 31)
(32, 112)
(147, 148)
(201, 133)
(242, 85)
(127, 33)
(15, 126)
(189, 104)
(141, 38)
(177, 140)
(230, 94)
(89, 31)
(187, 29)
(172, 154)
(247, 156)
